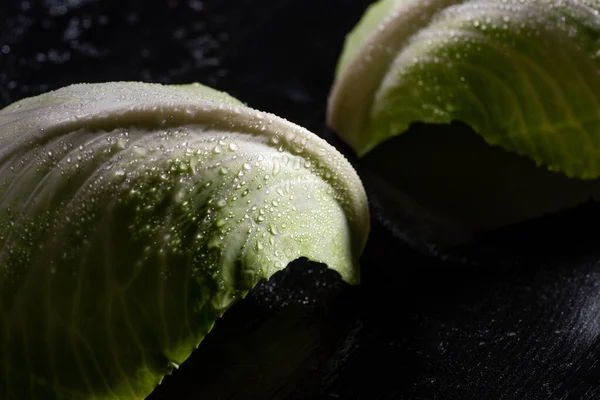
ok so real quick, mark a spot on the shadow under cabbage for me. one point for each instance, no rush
(268, 345)
(441, 186)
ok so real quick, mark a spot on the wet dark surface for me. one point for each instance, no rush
(513, 315)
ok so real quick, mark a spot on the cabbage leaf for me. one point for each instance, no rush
(525, 75)
(132, 215)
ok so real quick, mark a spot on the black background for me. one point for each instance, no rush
(514, 315)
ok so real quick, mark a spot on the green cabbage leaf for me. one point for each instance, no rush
(524, 75)
(132, 215)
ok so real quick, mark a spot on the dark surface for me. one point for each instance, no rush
(513, 315)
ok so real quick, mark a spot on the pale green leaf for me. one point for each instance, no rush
(133, 215)
(525, 75)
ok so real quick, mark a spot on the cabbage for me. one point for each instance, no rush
(525, 75)
(133, 215)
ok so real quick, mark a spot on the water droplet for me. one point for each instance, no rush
(276, 167)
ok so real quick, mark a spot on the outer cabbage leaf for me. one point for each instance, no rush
(133, 215)
(525, 75)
